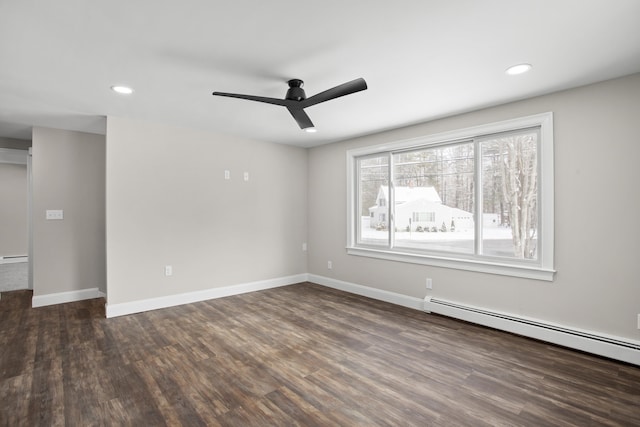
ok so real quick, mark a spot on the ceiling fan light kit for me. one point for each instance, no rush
(295, 101)
(122, 90)
(518, 69)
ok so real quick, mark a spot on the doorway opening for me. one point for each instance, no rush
(15, 218)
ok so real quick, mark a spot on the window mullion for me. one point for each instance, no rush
(357, 234)
(392, 203)
(478, 205)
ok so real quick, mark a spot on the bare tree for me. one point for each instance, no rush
(519, 173)
(373, 174)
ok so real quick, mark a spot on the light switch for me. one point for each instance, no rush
(246, 176)
(227, 174)
(55, 214)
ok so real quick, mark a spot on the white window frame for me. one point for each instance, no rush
(541, 269)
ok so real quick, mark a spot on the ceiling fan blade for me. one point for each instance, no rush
(301, 117)
(344, 89)
(274, 101)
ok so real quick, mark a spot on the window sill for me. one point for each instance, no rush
(527, 272)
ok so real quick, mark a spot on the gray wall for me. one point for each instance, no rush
(68, 170)
(596, 130)
(169, 204)
(13, 209)
(17, 144)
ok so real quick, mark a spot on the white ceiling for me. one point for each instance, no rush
(422, 59)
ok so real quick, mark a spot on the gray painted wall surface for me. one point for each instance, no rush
(596, 202)
(169, 204)
(68, 171)
(17, 144)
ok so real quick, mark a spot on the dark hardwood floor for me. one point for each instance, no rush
(300, 355)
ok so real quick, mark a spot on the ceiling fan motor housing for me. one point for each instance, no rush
(295, 92)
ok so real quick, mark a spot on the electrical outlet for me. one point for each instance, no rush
(329, 265)
(429, 283)
(227, 174)
(638, 321)
(246, 176)
(168, 270)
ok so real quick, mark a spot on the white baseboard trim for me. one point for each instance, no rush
(591, 342)
(366, 291)
(123, 309)
(64, 297)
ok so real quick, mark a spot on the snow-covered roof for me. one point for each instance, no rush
(409, 194)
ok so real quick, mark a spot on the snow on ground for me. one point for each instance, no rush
(492, 233)
(496, 241)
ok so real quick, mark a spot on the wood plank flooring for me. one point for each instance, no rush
(301, 355)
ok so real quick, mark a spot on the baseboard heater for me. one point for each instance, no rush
(602, 345)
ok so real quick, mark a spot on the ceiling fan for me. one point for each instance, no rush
(296, 100)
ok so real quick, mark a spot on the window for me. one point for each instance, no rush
(424, 217)
(478, 199)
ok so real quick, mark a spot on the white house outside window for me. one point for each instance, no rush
(477, 199)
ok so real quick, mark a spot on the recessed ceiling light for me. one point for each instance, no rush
(124, 90)
(518, 69)
(311, 130)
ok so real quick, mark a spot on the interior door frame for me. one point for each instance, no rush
(23, 157)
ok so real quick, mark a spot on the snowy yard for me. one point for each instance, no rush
(493, 233)
(497, 241)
